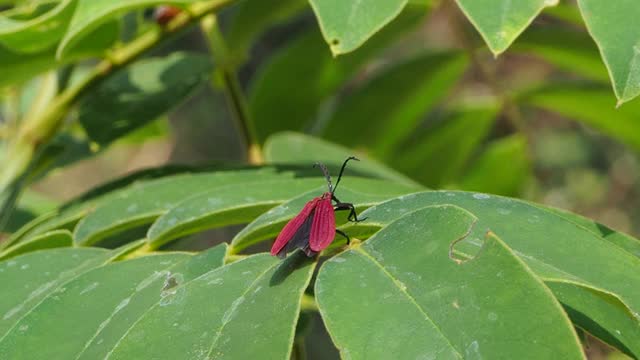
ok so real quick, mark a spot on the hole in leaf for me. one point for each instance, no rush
(452, 253)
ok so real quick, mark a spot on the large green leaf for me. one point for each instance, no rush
(52, 239)
(87, 318)
(90, 14)
(69, 214)
(601, 314)
(16, 67)
(501, 21)
(374, 112)
(555, 248)
(346, 25)
(517, 222)
(294, 148)
(443, 150)
(144, 202)
(39, 33)
(400, 293)
(34, 276)
(623, 240)
(614, 28)
(253, 314)
(227, 205)
(306, 64)
(140, 94)
(29, 206)
(592, 106)
(16, 219)
(488, 173)
(361, 192)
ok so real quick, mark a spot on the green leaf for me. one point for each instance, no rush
(29, 206)
(347, 25)
(621, 239)
(69, 214)
(90, 14)
(374, 112)
(444, 149)
(37, 34)
(227, 205)
(294, 148)
(18, 234)
(591, 106)
(23, 66)
(400, 293)
(615, 31)
(252, 315)
(307, 58)
(157, 129)
(608, 319)
(16, 68)
(49, 240)
(88, 316)
(252, 17)
(144, 202)
(555, 248)
(570, 50)
(96, 42)
(140, 94)
(361, 192)
(499, 22)
(34, 276)
(481, 175)
(18, 218)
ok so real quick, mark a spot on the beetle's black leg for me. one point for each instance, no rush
(344, 235)
(353, 216)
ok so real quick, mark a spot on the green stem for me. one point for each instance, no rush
(227, 73)
(35, 132)
(11, 113)
(308, 303)
(230, 258)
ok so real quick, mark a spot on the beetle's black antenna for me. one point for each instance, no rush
(325, 171)
(344, 164)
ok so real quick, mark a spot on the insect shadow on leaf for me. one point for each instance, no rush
(288, 266)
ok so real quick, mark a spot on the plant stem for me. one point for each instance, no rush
(35, 132)
(227, 73)
(230, 258)
(308, 303)
(11, 113)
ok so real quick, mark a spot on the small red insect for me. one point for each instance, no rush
(313, 229)
(165, 13)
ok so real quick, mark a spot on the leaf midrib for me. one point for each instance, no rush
(411, 299)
